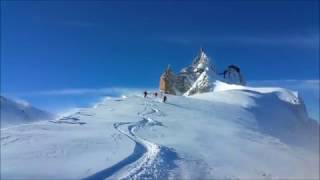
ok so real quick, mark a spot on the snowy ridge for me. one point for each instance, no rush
(268, 104)
(284, 94)
(235, 132)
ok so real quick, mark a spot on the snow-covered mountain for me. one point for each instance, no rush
(198, 77)
(14, 113)
(234, 132)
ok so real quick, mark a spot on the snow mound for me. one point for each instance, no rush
(278, 112)
(14, 113)
(283, 94)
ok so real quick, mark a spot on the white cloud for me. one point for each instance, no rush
(289, 83)
(64, 101)
(305, 40)
(20, 101)
(111, 91)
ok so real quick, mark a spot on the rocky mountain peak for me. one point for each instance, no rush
(201, 62)
(198, 77)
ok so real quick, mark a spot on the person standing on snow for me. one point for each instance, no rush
(155, 94)
(145, 94)
(164, 99)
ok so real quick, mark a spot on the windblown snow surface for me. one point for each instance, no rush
(233, 132)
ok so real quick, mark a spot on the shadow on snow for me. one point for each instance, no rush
(138, 152)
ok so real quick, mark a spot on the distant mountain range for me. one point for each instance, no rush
(13, 113)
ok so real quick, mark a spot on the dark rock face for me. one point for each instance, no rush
(232, 75)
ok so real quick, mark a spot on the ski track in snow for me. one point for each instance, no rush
(148, 160)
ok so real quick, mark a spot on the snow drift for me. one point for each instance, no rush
(278, 112)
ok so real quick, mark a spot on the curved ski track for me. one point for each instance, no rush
(148, 160)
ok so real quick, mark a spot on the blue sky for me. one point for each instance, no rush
(51, 46)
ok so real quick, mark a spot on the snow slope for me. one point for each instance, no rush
(232, 133)
(13, 113)
(278, 112)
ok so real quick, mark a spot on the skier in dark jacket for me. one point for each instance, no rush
(164, 99)
(155, 94)
(145, 94)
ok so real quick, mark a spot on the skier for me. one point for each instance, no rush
(145, 94)
(164, 99)
(155, 94)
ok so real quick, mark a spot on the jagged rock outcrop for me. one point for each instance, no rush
(167, 82)
(198, 77)
(232, 75)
